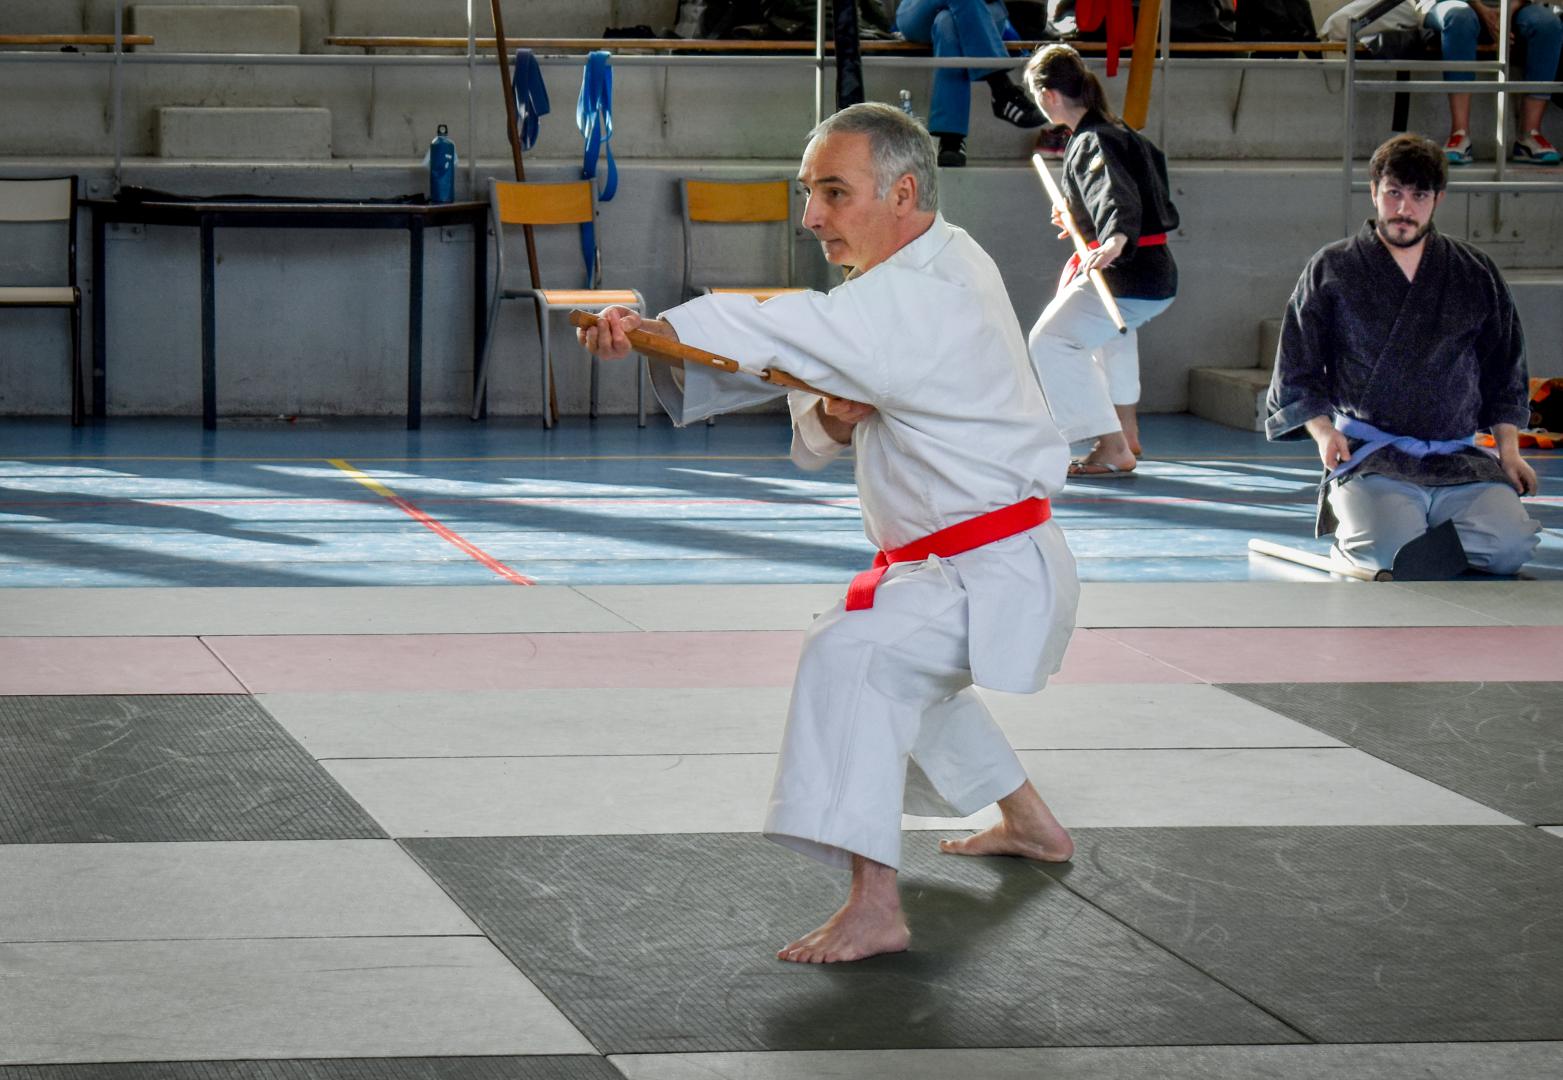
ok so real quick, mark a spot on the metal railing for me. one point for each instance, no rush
(1501, 85)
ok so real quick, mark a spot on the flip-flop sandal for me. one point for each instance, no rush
(1097, 470)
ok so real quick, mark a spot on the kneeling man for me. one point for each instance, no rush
(1398, 345)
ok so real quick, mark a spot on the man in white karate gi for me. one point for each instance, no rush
(956, 455)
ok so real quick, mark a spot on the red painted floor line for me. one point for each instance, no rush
(433, 525)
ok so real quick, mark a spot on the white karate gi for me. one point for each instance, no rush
(929, 338)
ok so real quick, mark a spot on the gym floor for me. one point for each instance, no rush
(335, 750)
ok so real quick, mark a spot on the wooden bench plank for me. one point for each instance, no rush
(75, 39)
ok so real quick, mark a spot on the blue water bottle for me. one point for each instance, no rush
(442, 168)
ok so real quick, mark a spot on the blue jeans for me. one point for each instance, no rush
(954, 28)
(1533, 24)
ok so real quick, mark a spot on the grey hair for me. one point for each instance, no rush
(898, 144)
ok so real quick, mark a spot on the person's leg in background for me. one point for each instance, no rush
(1065, 352)
(1120, 359)
(1457, 27)
(1540, 29)
(957, 28)
(1495, 530)
(1376, 517)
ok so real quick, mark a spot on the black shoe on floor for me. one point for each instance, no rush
(952, 151)
(1011, 105)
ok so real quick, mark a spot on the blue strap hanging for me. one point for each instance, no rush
(594, 116)
(531, 96)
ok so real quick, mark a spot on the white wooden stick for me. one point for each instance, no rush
(1081, 249)
(1317, 562)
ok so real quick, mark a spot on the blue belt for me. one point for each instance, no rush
(594, 116)
(1374, 440)
(531, 96)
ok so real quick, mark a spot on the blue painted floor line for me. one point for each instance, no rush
(160, 502)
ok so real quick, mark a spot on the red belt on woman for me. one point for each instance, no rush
(963, 536)
(1072, 267)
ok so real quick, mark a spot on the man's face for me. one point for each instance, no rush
(854, 227)
(1404, 213)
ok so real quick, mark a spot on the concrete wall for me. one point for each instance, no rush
(315, 323)
(759, 111)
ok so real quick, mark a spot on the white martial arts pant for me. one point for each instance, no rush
(1084, 365)
(1378, 515)
(884, 718)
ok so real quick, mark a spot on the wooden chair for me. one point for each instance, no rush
(513, 205)
(42, 202)
(723, 202)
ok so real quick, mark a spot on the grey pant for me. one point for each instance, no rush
(1379, 515)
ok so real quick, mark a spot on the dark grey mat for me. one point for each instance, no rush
(478, 1068)
(658, 944)
(149, 768)
(1498, 743)
(1363, 934)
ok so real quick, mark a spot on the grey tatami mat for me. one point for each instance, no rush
(1495, 742)
(666, 944)
(1397, 1061)
(455, 1068)
(1363, 934)
(148, 768)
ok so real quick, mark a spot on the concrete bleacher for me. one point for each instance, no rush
(1255, 163)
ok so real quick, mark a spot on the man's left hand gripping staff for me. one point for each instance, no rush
(609, 338)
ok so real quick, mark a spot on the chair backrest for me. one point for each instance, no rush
(43, 201)
(721, 202)
(538, 204)
(52, 199)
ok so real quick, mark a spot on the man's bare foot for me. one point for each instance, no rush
(1002, 839)
(856, 932)
(869, 923)
(1028, 830)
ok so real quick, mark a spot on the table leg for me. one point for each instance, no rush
(208, 326)
(100, 345)
(415, 326)
(479, 301)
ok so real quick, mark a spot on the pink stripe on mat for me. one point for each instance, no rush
(111, 665)
(1358, 654)
(1095, 658)
(536, 661)
(510, 661)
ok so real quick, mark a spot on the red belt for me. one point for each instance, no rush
(963, 536)
(1072, 267)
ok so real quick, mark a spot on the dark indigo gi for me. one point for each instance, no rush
(1115, 181)
(1438, 357)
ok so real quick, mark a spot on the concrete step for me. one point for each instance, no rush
(1231, 396)
(523, 18)
(219, 28)
(244, 134)
(1538, 296)
(1269, 340)
(40, 17)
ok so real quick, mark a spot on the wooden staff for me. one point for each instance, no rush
(514, 126)
(1081, 250)
(665, 348)
(1317, 562)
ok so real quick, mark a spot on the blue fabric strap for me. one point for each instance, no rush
(531, 96)
(594, 116)
(1374, 440)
